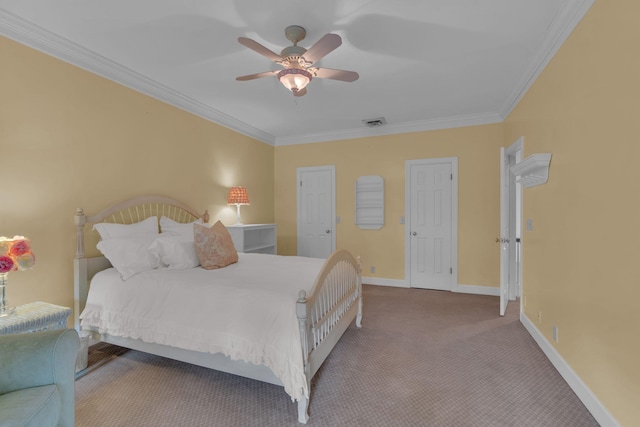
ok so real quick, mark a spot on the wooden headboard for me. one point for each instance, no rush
(129, 211)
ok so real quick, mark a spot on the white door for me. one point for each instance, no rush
(504, 231)
(432, 223)
(514, 228)
(316, 211)
(510, 225)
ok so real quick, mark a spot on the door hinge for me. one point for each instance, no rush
(450, 270)
(300, 183)
(451, 177)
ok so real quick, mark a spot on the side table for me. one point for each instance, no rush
(42, 316)
(35, 316)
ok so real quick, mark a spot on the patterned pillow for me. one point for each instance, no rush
(214, 246)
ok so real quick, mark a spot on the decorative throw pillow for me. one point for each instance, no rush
(214, 246)
(113, 231)
(172, 228)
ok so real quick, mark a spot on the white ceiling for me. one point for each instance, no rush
(423, 64)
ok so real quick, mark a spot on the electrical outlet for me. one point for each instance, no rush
(555, 333)
(539, 316)
(373, 269)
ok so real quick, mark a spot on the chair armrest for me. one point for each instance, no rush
(41, 358)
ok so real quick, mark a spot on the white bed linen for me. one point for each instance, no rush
(246, 311)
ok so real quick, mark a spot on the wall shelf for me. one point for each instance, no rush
(370, 202)
(532, 171)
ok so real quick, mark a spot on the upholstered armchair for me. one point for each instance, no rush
(37, 378)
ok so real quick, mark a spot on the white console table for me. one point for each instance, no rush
(258, 238)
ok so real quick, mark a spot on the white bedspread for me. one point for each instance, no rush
(246, 311)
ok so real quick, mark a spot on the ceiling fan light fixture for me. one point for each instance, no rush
(296, 61)
(294, 79)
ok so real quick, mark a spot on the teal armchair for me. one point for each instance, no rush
(37, 378)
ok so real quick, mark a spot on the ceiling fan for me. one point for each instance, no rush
(297, 61)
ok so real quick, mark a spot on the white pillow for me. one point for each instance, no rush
(174, 253)
(114, 231)
(129, 255)
(183, 231)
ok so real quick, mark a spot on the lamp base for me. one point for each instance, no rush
(238, 221)
(4, 309)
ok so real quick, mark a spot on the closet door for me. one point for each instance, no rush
(316, 211)
(431, 224)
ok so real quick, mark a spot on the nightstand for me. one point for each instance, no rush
(35, 316)
(258, 238)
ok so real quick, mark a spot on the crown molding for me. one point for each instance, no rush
(393, 129)
(51, 44)
(560, 27)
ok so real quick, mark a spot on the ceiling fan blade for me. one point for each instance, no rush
(256, 76)
(300, 92)
(329, 73)
(257, 47)
(326, 44)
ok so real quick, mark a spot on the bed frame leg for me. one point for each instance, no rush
(303, 410)
(359, 315)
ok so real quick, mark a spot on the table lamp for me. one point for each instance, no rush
(238, 196)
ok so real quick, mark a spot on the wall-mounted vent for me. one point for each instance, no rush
(374, 123)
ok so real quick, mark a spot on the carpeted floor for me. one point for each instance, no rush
(422, 358)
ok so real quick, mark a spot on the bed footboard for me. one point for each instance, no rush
(323, 315)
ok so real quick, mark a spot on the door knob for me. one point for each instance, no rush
(414, 234)
(327, 231)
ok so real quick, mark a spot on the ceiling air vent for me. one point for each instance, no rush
(374, 123)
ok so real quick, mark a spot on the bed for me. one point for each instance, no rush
(266, 317)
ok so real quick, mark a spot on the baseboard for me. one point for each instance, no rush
(597, 409)
(464, 289)
(379, 281)
(477, 290)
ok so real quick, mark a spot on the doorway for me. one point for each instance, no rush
(510, 225)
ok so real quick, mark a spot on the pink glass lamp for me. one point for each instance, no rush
(15, 255)
(238, 196)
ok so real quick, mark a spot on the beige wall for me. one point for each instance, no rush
(72, 139)
(477, 149)
(580, 266)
